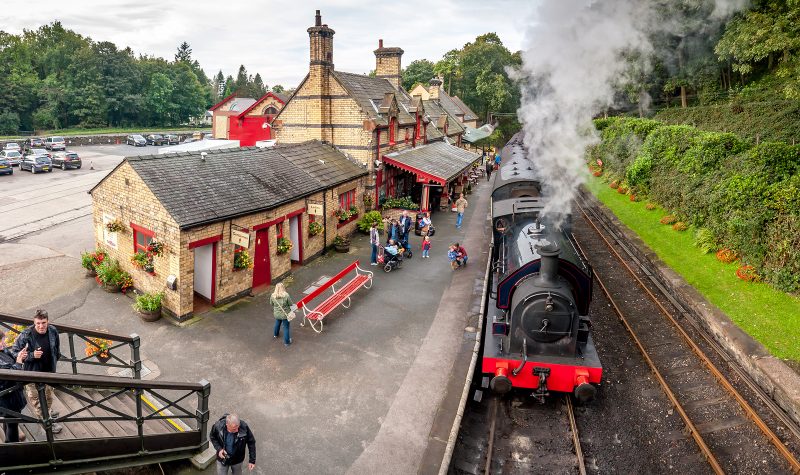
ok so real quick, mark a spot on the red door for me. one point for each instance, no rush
(261, 274)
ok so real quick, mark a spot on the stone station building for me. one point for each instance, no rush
(370, 118)
(205, 207)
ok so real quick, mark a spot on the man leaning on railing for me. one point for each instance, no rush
(42, 343)
(14, 399)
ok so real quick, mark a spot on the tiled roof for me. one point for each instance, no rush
(435, 110)
(437, 159)
(230, 183)
(468, 114)
(449, 104)
(241, 103)
(370, 92)
(284, 96)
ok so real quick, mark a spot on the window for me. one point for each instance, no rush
(141, 238)
(347, 199)
(279, 230)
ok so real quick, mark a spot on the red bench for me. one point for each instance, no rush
(363, 278)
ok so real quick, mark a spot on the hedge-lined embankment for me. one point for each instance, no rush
(738, 195)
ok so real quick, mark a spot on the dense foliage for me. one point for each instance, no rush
(744, 196)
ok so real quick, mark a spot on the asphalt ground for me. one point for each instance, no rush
(367, 395)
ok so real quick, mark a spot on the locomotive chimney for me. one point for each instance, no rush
(548, 272)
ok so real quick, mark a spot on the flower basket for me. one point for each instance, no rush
(115, 226)
(284, 245)
(343, 214)
(242, 259)
(142, 260)
(90, 261)
(99, 348)
(341, 244)
(149, 306)
(155, 248)
(314, 228)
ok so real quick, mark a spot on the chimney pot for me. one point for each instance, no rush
(380, 43)
(318, 19)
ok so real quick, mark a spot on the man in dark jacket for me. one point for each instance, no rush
(43, 345)
(230, 436)
(15, 399)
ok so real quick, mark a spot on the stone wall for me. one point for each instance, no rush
(102, 139)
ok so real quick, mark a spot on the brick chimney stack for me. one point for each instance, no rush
(387, 64)
(435, 86)
(319, 78)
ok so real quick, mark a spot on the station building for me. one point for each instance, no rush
(207, 207)
(376, 122)
(246, 119)
(452, 104)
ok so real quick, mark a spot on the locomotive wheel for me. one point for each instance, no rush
(585, 392)
(500, 384)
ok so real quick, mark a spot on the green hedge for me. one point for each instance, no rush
(747, 196)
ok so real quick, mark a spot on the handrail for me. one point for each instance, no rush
(74, 333)
(91, 380)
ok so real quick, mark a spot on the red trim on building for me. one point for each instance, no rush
(416, 171)
(214, 272)
(203, 242)
(141, 230)
(259, 101)
(268, 223)
(295, 213)
(222, 102)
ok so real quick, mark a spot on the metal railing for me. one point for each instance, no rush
(151, 402)
(16, 324)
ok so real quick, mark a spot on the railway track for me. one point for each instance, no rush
(515, 434)
(690, 366)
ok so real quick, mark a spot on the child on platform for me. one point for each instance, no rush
(426, 247)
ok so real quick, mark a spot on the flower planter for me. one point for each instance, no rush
(90, 273)
(112, 288)
(342, 247)
(150, 316)
(101, 358)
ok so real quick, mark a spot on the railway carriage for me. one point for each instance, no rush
(537, 334)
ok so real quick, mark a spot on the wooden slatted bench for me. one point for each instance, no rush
(315, 316)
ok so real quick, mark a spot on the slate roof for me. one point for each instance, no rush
(449, 104)
(439, 159)
(370, 92)
(473, 135)
(435, 110)
(230, 183)
(468, 114)
(240, 104)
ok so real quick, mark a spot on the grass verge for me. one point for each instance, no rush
(768, 315)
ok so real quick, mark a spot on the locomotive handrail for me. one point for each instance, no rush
(516, 370)
(83, 335)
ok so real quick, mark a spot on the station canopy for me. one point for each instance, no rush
(439, 162)
(472, 135)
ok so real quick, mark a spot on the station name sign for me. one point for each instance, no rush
(240, 238)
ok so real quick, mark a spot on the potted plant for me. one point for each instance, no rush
(155, 248)
(90, 261)
(341, 243)
(343, 214)
(284, 245)
(353, 210)
(110, 275)
(99, 347)
(365, 223)
(115, 226)
(242, 259)
(368, 201)
(149, 306)
(143, 260)
(314, 228)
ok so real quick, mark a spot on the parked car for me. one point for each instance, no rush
(32, 142)
(171, 139)
(39, 151)
(36, 163)
(66, 160)
(5, 167)
(13, 156)
(55, 143)
(155, 139)
(11, 146)
(136, 140)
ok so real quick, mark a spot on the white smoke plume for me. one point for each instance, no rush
(569, 70)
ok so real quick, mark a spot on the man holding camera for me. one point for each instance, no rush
(43, 345)
(230, 437)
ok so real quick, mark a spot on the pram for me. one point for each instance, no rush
(389, 261)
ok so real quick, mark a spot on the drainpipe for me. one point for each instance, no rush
(325, 221)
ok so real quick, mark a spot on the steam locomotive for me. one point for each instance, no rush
(537, 334)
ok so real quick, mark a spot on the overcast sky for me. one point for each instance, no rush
(269, 36)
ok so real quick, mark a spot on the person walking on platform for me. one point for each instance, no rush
(230, 437)
(281, 309)
(497, 160)
(394, 233)
(461, 205)
(374, 240)
(405, 227)
(14, 400)
(426, 247)
(489, 169)
(43, 345)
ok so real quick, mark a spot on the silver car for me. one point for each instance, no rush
(11, 146)
(55, 143)
(13, 156)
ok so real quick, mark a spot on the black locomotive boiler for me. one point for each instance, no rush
(537, 334)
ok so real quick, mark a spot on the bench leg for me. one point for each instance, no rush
(314, 327)
(349, 302)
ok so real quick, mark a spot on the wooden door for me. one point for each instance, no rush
(261, 273)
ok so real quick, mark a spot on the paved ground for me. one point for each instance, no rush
(362, 397)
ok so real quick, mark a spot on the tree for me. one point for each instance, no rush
(449, 67)
(258, 87)
(186, 99)
(9, 123)
(230, 86)
(158, 99)
(184, 54)
(277, 88)
(242, 82)
(418, 71)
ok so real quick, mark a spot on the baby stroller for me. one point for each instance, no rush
(388, 261)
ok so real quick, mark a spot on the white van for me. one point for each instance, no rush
(55, 143)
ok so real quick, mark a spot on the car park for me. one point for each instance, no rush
(36, 163)
(39, 151)
(5, 167)
(155, 139)
(11, 146)
(136, 140)
(33, 142)
(67, 160)
(171, 139)
(13, 156)
(55, 143)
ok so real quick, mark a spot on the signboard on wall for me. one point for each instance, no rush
(109, 238)
(240, 238)
(315, 209)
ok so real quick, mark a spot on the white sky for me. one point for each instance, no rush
(269, 36)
